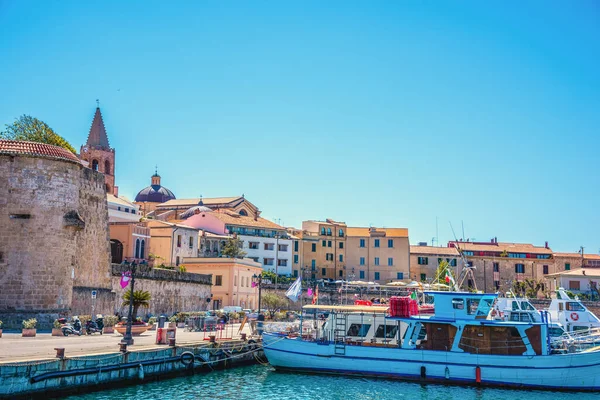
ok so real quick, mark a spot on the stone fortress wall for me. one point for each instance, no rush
(53, 232)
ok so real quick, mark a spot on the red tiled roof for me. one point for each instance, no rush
(18, 147)
(502, 246)
(430, 250)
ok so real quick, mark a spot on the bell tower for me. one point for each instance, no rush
(97, 151)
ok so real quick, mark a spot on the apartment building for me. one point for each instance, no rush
(379, 255)
(425, 260)
(323, 250)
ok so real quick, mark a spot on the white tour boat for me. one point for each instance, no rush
(459, 343)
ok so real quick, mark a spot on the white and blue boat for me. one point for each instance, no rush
(458, 344)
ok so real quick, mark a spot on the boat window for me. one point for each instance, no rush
(485, 307)
(580, 328)
(527, 306)
(560, 307)
(389, 331)
(525, 317)
(422, 333)
(359, 330)
(574, 306)
(472, 306)
(556, 331)
(514, 316)
(458, 304)
(429, 299)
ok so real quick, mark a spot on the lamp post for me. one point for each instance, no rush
(127, 338)
(257, 279)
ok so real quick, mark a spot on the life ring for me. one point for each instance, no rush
(187, 358)
(574, 316)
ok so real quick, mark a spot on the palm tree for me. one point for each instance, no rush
(141, 298)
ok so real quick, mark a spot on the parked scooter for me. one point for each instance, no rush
(71, 329)
(94, 326)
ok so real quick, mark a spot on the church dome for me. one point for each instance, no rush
(155, 193)
(195, 210)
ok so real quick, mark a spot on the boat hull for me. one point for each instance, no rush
(555, 372)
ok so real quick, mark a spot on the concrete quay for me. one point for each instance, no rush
(29, 367)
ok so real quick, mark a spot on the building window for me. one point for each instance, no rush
(126, 209)
(177, 261)
(178, 240)
(314, 247)
(282, 262)
(496, 267)
(328, 231)
(376, 276)
(376, 260)
(341, 233)
(329, 243)
(283, 247)
(253, 245)
(453, 262)
(143, 249)
(313, 264)
(95, 165)
(376, 243)
(341, 245)
(255, 259)
(400, 275)
(362, 261)
(324, 243)
(295, 245)
(519, 268)
(574, 285)
(390, 262)
(269, 246)
(323, 271)
(235, 280)
(567, 266)
(361, 274)
(268, 261)
(119, 208)
(422, 260)
(295, 258)
(468, 253)
(323, 230)
(329, 257)
(423, 277)
(341, 258)
(137, 248)
(390, 243)
(362, 242)
(545, 270)
(295, 273)
(132, 211)
(497, 285)
(218, 280)
(341, 273)
(191, 244)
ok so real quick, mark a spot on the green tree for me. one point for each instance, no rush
(141, 298)
(440, 274)
(272, 302)
(32, 129)
(233, 248)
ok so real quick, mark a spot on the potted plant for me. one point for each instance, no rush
(0, 328)
(109, 323)
(181, 317)
(152, 323)
(56, 328)
(140, 298)
(234, 316)
(29, 327)
(172, 321)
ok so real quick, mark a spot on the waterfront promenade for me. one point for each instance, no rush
(14, 347)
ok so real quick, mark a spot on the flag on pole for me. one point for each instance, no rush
(413, 295)
(295, 290)
(449, 278)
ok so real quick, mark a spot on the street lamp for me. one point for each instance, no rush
(257, 280)
(127, 338)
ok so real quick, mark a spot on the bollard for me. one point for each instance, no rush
(60, 352)
(123, 347)
(212, 338)
(172, 342)
(244, 337)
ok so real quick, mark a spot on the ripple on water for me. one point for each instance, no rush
(262, 383)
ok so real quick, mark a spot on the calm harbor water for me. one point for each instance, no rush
(262, 382)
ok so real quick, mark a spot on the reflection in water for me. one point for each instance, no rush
(262, 383)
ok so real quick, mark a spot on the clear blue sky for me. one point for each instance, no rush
(384, 113)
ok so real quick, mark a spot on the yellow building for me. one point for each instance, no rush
(377, 254)
(231, 280)
(323, 250)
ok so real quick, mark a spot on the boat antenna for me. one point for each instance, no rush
(467, 268)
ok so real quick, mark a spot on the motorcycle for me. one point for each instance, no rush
(94, 326)
(71, 329)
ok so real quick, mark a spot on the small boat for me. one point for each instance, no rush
(458, 344)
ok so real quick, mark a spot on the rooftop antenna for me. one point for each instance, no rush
(463, 230)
